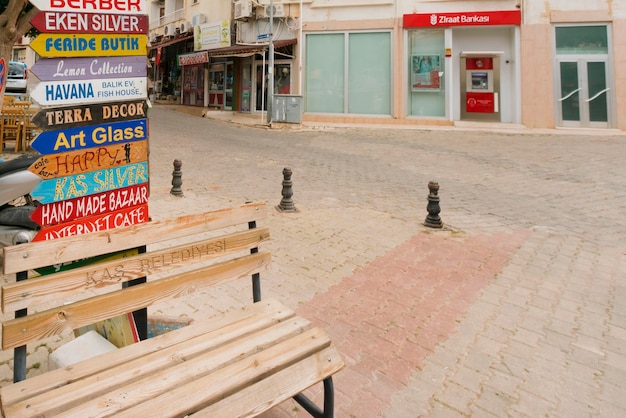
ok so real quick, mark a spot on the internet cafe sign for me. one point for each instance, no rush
(211, 35)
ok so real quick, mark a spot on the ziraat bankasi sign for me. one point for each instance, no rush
(89, 91)
(70, 22)
(125, 7)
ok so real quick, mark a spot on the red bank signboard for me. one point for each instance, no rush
(503, 17)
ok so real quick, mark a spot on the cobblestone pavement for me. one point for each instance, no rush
(512, 310)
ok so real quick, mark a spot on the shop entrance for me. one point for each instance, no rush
(584, 93)
(480, 87)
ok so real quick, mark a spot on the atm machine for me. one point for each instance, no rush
(480, 88)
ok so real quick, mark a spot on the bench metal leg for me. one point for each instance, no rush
(329, 401)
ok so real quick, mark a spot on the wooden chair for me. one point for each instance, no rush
(29, 129)
(11, 123)
(8, 100)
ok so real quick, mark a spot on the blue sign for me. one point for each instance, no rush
(54, 142)
(3, 71)
(86, 184)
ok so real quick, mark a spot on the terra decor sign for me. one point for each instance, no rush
(504, 17)
(82, 115)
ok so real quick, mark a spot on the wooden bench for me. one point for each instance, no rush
(236, 364)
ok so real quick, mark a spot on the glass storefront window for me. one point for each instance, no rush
(581, 40)
(348, 73)
(426, 87)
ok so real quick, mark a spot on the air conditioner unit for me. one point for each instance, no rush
(186, 27)
(264, 12)
(243, 9)
(198, 19)
(152, 37)
(170, 30)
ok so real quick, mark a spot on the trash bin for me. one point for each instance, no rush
(287, 108)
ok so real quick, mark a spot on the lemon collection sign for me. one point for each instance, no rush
(92, 93)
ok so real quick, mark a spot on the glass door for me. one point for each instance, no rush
(584, 93)
(228, 87)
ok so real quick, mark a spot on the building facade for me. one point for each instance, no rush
(437, 62)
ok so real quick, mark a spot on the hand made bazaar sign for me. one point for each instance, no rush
(504, 17)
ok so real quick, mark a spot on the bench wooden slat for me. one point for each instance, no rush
(31, 293)
(45, 253)
(117, 388)
(20, 331)
(219, 330)
(201, 392)
(262, 396)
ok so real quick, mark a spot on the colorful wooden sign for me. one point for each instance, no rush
(53, 142)
(75, 162)
(125, 7)
(65, 69)
(86, 184)
(74, 116)
(97, 204)
(116, 219)
(72, 22)
(57, 93)
(50, 45)
(3, 77)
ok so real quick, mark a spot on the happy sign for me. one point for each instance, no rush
(81, 161)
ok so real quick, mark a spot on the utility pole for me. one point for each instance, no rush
(270, 70)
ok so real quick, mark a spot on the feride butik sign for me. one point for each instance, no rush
(503, 17)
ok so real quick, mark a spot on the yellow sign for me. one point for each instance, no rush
(51, 45)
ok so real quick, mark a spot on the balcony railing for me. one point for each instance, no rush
(168, 18)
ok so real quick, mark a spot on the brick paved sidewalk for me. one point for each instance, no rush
(390, 315)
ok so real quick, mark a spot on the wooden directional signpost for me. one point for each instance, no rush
(85, 160)
(93, 97)
(72, 116)
(64, 69)
(73, 22)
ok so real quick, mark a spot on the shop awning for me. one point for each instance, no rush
(171, 42)
(247, 50)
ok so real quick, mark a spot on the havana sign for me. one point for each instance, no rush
(49, 93)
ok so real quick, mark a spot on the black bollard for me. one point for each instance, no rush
(177, 179)
(432, 219)
(286, 203)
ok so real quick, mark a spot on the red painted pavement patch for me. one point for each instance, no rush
(388, 316)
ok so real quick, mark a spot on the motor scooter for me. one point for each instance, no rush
(16, 203)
